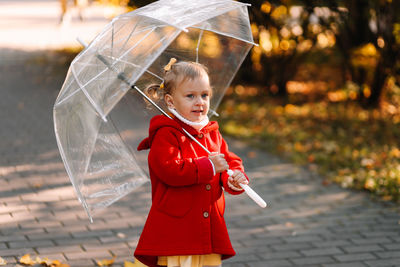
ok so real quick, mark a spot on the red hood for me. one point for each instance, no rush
(160, 121)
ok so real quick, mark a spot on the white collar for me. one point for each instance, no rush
(196, 125)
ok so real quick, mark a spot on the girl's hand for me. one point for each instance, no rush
(236, 179)
(220, 164)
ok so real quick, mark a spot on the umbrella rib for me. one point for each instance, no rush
(91, 100)
(146, 67)
(128, 148)
(112, 39)
(138, 66)
(130, 49)
(198, 45)
(130, 35)
(165, 22)
(70, 174)
(234, 37)
(80, 87)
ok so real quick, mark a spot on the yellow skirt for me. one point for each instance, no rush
(190, 260)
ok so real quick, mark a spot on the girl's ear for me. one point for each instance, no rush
(169, 100)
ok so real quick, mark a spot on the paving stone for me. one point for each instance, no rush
(290, 247)
(355, 257)
(393, 262)
(269, 263)
(306, 261)
(82, 255)
(388, 254)
(30, 244)
(365, 248)
(352, 264)
(16, 252)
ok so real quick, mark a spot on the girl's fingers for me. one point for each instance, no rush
(238, 177)
(244, 181)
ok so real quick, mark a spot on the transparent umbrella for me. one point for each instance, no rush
(100, 114)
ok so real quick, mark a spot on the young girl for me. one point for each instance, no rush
(185, 226)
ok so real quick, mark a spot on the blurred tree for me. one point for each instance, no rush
(281, 29)
(368, 36)
(287, 32)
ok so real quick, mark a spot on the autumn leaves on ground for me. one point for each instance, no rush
(28, 260)
(355, 147)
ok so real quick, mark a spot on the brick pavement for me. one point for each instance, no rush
(306, 223)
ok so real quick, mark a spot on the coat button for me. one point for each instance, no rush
(200, 135)
(205, 214)
(208, 187)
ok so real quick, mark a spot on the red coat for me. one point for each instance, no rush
(186, 216)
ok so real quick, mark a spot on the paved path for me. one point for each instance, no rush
(306, 224)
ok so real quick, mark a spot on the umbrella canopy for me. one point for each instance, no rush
(99, 121)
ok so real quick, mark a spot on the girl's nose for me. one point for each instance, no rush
(199, 101)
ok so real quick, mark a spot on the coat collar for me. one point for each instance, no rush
(211, 126)
(160, 121)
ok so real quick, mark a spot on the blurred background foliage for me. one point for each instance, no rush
(322, 88)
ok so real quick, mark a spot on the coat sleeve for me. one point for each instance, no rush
(234, 162)
(167, 163)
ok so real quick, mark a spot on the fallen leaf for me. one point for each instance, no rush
(37, 185)
(106, 262)
(252, 154)
(55, 263)
(326, 182)
(129, 264)
(26, 259)
(2, 261)
(289, 224)
(134, 264)
(45, 262)
(387, 198)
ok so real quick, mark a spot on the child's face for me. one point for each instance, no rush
(191, 98)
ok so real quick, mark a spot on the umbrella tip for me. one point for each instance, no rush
(213, 113)
(82, 42)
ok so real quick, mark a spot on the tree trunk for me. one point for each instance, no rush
(377, 86)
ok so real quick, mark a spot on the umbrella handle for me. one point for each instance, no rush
(251, 193)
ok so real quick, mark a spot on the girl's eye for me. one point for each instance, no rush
(190, 96)
(204, 96)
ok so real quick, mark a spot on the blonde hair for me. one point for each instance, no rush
(174, 74)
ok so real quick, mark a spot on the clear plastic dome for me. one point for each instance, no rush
(99, 119)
